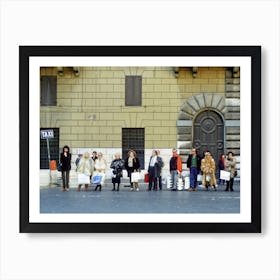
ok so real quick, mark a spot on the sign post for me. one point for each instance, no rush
(48, 134)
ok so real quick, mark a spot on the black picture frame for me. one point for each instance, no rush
(25, 52)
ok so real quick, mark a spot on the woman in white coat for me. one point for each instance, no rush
(100, 170)
(85, 167)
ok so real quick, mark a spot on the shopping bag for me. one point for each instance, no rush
(187, 183)
(224, 175)
(146, 178)
(83, 179)
(207, 178)
(199, 178)
(168, 182)
(96, 180)
(135, 176)
(180, 184)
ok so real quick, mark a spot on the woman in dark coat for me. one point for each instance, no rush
(65, 162)
(117, 165)
(132, 164)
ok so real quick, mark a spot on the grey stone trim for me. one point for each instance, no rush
(198, 102)
(232, 123)
(232, 116)
(184, 123)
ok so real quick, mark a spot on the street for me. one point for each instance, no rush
(53, 200)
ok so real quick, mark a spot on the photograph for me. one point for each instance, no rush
(140, 135)
(124, 139)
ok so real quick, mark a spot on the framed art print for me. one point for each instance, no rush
(140, 139)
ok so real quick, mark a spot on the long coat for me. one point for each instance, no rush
(100, 169)
(208, 168)
(158, 166)
(65, 162)
(136, 165)
(230, 166)
(85, 166)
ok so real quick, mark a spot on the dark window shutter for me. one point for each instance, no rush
(48, 90)
(133, 91)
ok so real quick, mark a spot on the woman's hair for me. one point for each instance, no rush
(156, 152)
(131, 151)
(230, 153)
(86, 155)
(66, 147)
(99, 154)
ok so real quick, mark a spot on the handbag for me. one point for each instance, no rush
(224, 175)
(83, 179)
(146, 178)
(96, 180)
(135, 176)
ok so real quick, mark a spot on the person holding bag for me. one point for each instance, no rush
(100, 165)
(208, 167)
(84, 170)
(132, 165)
(230, 166)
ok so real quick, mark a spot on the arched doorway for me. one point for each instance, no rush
(208, 133)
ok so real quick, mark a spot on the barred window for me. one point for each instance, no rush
(134, 139)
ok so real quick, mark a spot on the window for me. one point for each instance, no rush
(134, 139)
(54, 149)
(48, 90)
(133, 91)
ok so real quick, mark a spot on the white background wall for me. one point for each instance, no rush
(138, 256)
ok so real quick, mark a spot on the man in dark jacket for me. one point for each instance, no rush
(193, 163)
(154, 169)
(65, 161)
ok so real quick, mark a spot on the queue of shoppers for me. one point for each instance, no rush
(91, 169)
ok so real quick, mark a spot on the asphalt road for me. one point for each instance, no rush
(53, 200)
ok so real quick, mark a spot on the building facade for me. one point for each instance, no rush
(114, 109)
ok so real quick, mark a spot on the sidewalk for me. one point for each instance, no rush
(52, 200)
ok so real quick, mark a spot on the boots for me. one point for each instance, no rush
(118, 188)
(113, 188)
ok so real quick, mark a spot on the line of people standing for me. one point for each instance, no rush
(95, 167)
(206, 165)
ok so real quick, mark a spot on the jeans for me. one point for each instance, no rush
(193, 177)
(174, 178)
(65, 178)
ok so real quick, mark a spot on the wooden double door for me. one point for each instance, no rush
(208, 134)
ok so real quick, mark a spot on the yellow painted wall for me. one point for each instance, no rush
(99, 93)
